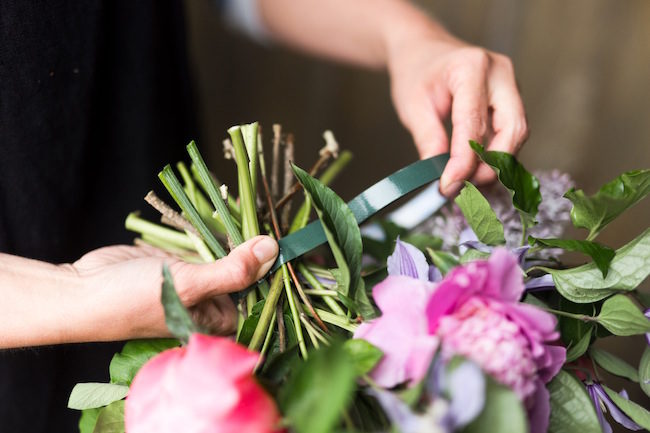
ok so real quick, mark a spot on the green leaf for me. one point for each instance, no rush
(88, 420)
(363, 354)
(319, 390)
(571, 408)
(601, 254)
(585, 284)
(614, 364)
(111, 419)
(638, 414)
(620, 316)
(93, 395)
(177, 317)
(572, 330)
(503, 412)
(480, 216)
(339, 224)
(473, 254)
(134, 355)
(644, 371)
(595, 212)
(248, 329)
(523, 186)
(578, 349)
(445, 262)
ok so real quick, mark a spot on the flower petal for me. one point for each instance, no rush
(408, 261)
(466, 384)
(614, 411)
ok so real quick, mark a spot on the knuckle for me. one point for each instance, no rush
(477, 57)
(476, 123)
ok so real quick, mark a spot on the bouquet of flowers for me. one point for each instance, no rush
(467, 323)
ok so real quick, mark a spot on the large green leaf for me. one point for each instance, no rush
(584, 284)
(364, 355)
(93, 395)
(503, 412)
(134, 355)
(620, 316)
(480, 216)
(318, 390)
(595, 212)
(177, 317)
(614, 364)
(571, 408)
(638, 414)
(111, 419)
(88, 420)
(339, 223)
(523, 186)
(601, 254)
(644, 371)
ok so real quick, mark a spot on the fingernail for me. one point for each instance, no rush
(450, 188)
(266, 249)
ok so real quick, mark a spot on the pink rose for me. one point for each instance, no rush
(205, 387)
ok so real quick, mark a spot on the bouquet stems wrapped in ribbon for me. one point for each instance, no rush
(468, 323)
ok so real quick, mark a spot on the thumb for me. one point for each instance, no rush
(245, 265)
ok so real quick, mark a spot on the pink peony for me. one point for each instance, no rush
(474, 312)
(402, 330)
(205, 387)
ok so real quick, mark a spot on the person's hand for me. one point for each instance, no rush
(434, 76)
(130, 279)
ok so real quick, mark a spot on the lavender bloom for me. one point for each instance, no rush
(553, 215)
(408, 261)
(603, 402)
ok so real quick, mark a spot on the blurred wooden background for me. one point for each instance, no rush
(583, 67)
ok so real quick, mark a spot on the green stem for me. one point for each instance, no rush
(144, 227)
(310, 332)
(335, 320)
(251, 300)
(232, 203)
(313, 281)
(581, 317)
(323, 293)
(215, 195)
(294, 311)
(201, 247)
(250, 140)
(175, 189)
(267, 312)
(190, 187)
(250, 227)
(267, 341)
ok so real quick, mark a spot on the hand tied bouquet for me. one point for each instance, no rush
(487, 331)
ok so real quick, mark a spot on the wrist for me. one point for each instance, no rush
(411, 28)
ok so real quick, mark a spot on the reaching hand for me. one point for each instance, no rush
(434, 76)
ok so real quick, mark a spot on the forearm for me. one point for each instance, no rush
(363, 32)
(44, 304)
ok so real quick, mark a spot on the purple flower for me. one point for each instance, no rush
(455, 400)
(603, 402)
(408, 261)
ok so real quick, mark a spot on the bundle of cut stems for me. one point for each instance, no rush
(298, 304)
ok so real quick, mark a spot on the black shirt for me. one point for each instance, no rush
(94, 100)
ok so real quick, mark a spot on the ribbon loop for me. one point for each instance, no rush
(365, 205)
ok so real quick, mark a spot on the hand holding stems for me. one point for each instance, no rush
(113, 293)
(433, 74)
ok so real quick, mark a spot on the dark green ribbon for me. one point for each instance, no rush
(366, 204)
